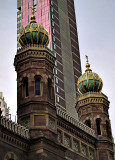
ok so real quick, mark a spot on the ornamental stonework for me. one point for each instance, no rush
(59, 137)
(67, 141)
(91, 154)
(83, 149)
(51, 123)
(76, 145)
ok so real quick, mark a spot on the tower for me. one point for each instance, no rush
(92, 107)
(34, 64)
(60, 23)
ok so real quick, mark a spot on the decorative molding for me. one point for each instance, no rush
(67, 141)
(32, 50)
(15, 142)
(91, 154)
(15, 128)
(52, 123)
(75, 122)
(84, 150)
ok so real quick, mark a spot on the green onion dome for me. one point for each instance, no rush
(89, 81)
(33, 33)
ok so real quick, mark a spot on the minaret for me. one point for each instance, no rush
(92, 107)
(34, 64)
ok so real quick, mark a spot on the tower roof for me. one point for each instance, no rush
(89, 81)
(33, 33)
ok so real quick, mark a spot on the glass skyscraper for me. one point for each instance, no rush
(58, 17)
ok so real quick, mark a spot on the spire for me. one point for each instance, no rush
(33, 17)
(87, 65)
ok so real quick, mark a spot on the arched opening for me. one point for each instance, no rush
(25, 87)
(88, 123)
(37, 86)
(108, 129)
(98, 125)
(49, 88)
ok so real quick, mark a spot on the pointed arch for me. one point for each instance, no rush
(37, 85)
(25, 87)
(98, 125)
(88, 123)
(50, 88)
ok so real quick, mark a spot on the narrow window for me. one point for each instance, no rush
(55, 63)
(52, 9)
(34, 2)
(54, 54)
(52, 16)
(98, 124)
(88, 123)
(57, 89)
(54, 46)
(37, 87)
(41, 12)
(58, 99)
(49, 88)
(53, 31)
(51, 2)
(56, 80)
(25, 87)
(28, 18)
(56, 71)
(53, 23)
(54, 39)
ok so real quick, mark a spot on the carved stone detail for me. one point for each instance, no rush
(91, 154)
(83, 149)
(76, 145)
(15, 128)
(67, 141)
(51, 123)
(75, 122)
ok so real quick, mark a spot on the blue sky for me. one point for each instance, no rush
(96, 31)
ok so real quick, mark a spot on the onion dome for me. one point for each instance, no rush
(33, 33)
(89, 81)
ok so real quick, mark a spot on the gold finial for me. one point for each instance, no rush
(33, 17)
(87, 65)
(86, 58)
(33, 10)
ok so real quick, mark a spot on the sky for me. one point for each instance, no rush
(96, 33)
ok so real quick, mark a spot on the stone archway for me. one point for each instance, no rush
(10, 156)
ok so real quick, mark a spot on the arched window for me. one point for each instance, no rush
(88, 123)
(108, 129)
(25, 87)
(37, 86)
(98, 125)
(49, 88)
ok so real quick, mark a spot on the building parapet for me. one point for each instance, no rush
(91, 94)
(33, 47)
(14, 127)
(75, 122)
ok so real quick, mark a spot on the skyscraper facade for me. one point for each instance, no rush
(58, 17)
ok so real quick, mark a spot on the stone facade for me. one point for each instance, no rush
(45, 132)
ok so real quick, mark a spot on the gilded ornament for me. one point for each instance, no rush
(33, 33)
(89, 81)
